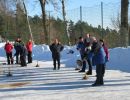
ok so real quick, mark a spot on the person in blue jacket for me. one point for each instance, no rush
(84, 48)
(81, 49)
(98, 60)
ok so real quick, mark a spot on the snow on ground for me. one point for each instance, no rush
(42, 83)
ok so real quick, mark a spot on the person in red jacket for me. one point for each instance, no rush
(29, 46)
(8, 49)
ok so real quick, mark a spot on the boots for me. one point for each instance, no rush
(89, 72)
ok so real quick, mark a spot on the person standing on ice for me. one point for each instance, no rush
(81, 49)
(98, 59)
(23, 54)
(87, 43)
(101, 41)
(56, 48)
(17, 47)
(29, 46)
(8, 49)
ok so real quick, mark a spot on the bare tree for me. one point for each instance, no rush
(124, 21)
(116, 22)
(63, 10)
(64, 18)
(43, 5)
(31, 36)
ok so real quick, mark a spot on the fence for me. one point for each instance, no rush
(106, 15)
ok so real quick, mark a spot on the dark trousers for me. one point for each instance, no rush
(29, 57)
(9, 58)
(89, 65)
(23, 60)
(103, 69)
(17, 56)
(56, 59)
(99, 72)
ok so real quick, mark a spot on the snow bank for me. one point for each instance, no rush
(119, 59)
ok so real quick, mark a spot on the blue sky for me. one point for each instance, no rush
(34, 7)
(88, 3)
(91, 10)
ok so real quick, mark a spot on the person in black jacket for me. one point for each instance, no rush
(56, 48)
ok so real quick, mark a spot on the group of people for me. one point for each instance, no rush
(95, 53)
(21, 51)
(92, 51)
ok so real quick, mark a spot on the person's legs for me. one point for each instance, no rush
(99, 75)
(21, 60)
(8, 59)
(24, 60)
(29, 57)
(58, 61)
(84, 66)
(54, 63)
(89, 72)
(103, 69)
(102, 75)
(17, 57)
(11, 58)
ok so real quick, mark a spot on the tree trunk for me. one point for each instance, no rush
(31, 36)
(65, 22)
(43, 4)
(124, 22)
(63, 10)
